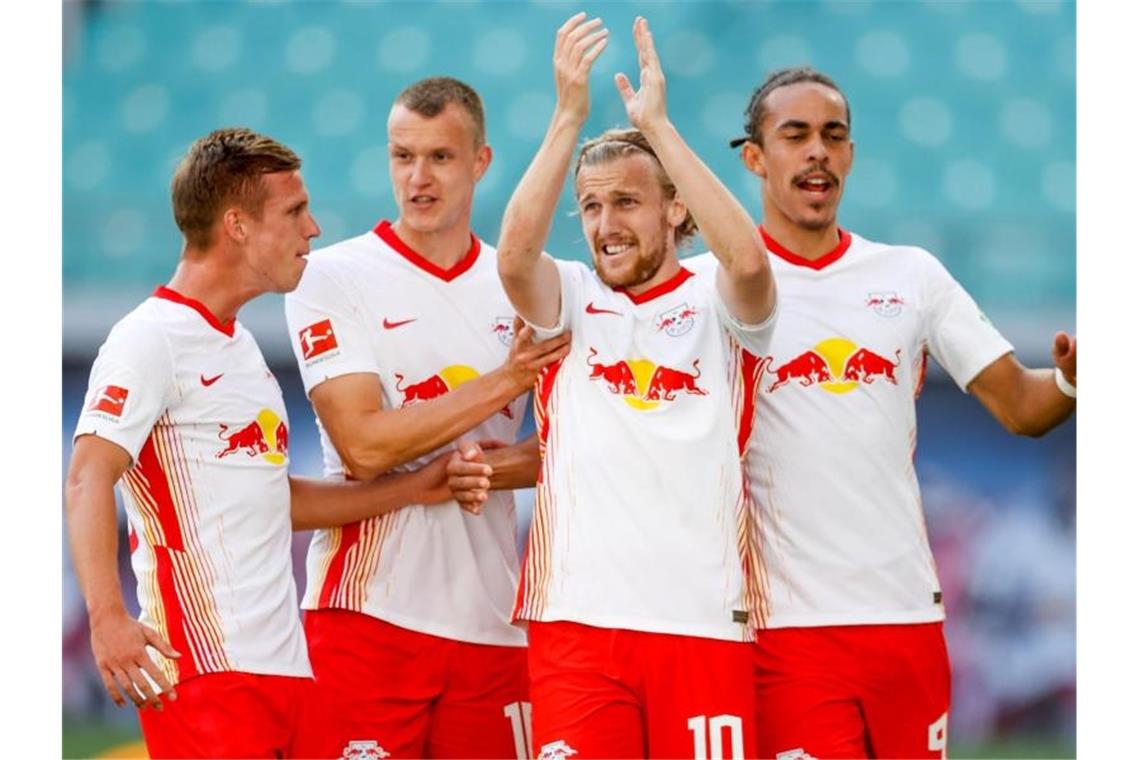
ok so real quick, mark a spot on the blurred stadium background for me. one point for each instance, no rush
(964, 114)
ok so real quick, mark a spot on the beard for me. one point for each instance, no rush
(649, 261)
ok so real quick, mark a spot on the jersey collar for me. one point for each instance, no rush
(385, 232)
(825, 260)
(226, 328)
(657, 291)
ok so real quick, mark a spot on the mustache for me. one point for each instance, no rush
(814, 170)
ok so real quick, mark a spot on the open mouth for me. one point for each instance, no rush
(423, 201)
(615, 249)
(816, 184)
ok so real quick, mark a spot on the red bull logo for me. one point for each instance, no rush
(886, 304)
(444, 381)
(676, 321)
(266, 436)
(837, 365)
(644, 384)
(504, 329)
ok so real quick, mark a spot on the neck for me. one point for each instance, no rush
(810, 244)
(444, 248)
(667, 271)
(199, 277)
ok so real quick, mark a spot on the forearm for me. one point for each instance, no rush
(726, 226)
(531, 282)
(93, 532)
(329, 504)
(374, 442)
(1041, 405)
(514, 466)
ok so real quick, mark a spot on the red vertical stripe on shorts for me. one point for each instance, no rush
(158, 486)
(175, 616)
(349, 536)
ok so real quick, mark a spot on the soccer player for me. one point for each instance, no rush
(183, 410)
(640, 574)
(852, 661)
(404, 340)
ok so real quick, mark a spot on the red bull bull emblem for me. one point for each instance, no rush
(444, 381)
(364, 750)
(837, 365)
(887, 304)
(504, 329)
(266, 436)
(644, 384)
(676, 321)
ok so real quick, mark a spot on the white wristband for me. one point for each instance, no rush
(1064, 385)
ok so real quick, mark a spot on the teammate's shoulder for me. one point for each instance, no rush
(863, 247)
(346, 248)
(702, 263)
(145, 330)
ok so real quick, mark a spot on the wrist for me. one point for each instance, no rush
(103, 611)
(1063, 384)
(657, 129)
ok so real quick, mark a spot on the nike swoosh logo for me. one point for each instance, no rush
(208, 381)
(393, 325)
(591, 309)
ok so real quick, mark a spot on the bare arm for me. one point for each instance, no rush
(529, 278)
(1027, 401)
(329, 504)
(745, 279)
(371, 440)
(477, 468)
(118, 641)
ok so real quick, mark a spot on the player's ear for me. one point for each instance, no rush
(232, 226)
(753, 157)
(676, 213)
(483, 158)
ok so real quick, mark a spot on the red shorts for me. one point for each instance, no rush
(231, 714)
(603, 692)
(852, 691)
(408, 694)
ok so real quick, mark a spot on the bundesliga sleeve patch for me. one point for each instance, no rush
(317, 339)
(109, 399)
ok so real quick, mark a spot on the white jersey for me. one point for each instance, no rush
(207, 495)
(371, 304)
(641, 520)
(832, 455)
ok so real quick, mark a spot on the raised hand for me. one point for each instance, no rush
(1065, 355)
(645, 106)
(527, 358)
(119, 644)
(577, 46)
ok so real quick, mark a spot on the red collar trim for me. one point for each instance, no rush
(828, 258)
(385, 232)
(172, 295)
(657, 291)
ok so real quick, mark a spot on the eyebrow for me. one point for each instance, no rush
(797, 124)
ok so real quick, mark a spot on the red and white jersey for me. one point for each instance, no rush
(207, 495)
(372, 304)
(641, 519)
(832, 453)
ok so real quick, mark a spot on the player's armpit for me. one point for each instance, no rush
(1025, 401)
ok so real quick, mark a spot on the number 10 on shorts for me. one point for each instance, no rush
(708, 736)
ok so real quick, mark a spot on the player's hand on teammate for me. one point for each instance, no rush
(646, 105)
(1065, 355)
(578, 44)
(527, 358)
(119, 644)
(469, 476)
